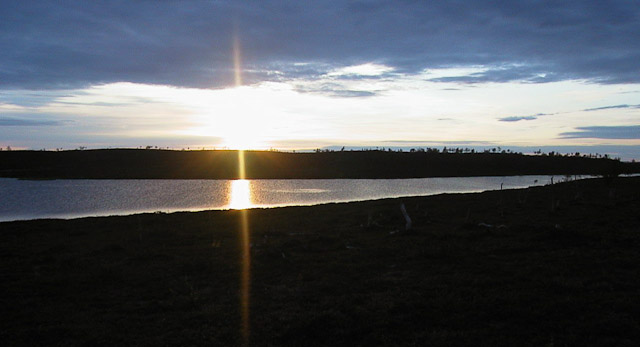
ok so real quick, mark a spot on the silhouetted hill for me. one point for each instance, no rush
(132, 163)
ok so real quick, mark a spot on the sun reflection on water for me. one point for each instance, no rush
(240, 195)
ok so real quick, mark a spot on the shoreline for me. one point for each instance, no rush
(308, 178)
(549, 264)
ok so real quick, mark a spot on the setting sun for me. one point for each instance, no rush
(243, 139)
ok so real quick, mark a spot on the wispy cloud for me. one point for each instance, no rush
(604, 132)
(517, 119)
(12, 122)
(520, 118)
(504, 74)
(536, 116)
(611, 107)
(334, 90)
(352, 93)
(368, 70)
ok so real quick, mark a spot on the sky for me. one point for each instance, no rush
(554, 75)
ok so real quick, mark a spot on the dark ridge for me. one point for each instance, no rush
(133, 163)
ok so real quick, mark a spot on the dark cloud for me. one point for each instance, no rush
(51, 44)
(604, 132)
(13, 122)
(519, 118)
(611, 107)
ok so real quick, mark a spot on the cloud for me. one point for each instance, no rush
(503, 74)
(604, 132)
(366, 70)
(25, 98)
(611, 107)
(12, 122)
(51, 44)
(519, 118)
(537, 115)
(352, 93)
(334, 90)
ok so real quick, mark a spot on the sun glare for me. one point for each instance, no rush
(240, 198)
(242, 138)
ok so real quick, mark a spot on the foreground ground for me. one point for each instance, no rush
(547, 266)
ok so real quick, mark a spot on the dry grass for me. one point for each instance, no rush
(489, 269)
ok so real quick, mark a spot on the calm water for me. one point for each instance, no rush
(24, 199)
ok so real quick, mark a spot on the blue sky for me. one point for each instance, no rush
(518, 74)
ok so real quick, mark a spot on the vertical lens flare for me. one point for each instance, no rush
(241, 199)
(241, 171)
(244, 198)
(245, 275)
(237, 62)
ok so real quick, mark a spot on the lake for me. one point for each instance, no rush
(34, 199)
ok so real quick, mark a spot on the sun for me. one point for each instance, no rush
(235, 118)
(242, 138)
